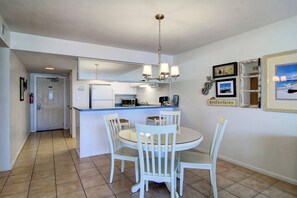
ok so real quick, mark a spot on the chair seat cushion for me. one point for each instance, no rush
(195, 157)
(127, 152)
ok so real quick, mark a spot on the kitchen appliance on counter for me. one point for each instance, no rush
(163, 100)
(129, 102)
(175, 100)
(101, 96)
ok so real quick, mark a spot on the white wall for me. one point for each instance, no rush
(19, 110)
(151, 95)
(5, 107)
(264, 141)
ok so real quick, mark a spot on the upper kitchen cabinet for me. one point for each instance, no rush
(122, 88)
(94, 69)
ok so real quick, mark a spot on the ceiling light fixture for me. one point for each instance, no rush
(163, 67)
(49, 68)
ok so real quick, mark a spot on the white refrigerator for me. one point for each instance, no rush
(101, 96)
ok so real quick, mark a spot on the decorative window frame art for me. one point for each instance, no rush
(224, 70)
(226, 88)
(280, 81)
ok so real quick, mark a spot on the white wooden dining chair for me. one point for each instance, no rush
(195, 160)
(156, 147)
(113, 126)
(170, 117)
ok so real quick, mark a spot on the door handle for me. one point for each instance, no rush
(38, 106)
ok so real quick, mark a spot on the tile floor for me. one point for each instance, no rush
(48, 166)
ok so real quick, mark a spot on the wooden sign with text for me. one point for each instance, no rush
(222, 102)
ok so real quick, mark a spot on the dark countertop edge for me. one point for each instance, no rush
(124, 108)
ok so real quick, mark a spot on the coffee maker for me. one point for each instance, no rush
(163, 100)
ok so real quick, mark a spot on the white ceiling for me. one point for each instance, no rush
(188, 24)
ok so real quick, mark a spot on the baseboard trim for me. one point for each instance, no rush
(254, 168)
(19, 151)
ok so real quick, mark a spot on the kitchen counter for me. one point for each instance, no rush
(90, 131)
(123, 108)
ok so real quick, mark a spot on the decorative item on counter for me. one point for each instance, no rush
(207, 85)
(222, 102)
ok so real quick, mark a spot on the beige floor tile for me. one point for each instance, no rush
(254, 184)
(43, 167)
(15, 188)
(264, 178)
(84, 165)
(241, 191)
(261, 196)
(88, 172)
(69, 187)
(276, 193)
(14, 179)
(203, 187)
(189, 192)
(220, 169)
(244, 171)
(62, 170)
(223, 194)
(48, 192)
(64, 178)
(121, 186)
(42, 183)
(2, 181)
(200, 172)
(286, 187)
(21, 170)
(190, 178)
(116, 177)
(89, 182)
(79, 194)
(19, 195)
(222, 182)
(232, 175)
(127, 194)
(4, 174)
(48, 174)
(98, 157)
(99, 191)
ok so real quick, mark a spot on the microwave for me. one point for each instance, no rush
(128, 102)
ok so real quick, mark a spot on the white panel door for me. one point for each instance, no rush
(50, 103)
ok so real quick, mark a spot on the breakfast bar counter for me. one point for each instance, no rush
(90, 132)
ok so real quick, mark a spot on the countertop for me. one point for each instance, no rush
(123, 108)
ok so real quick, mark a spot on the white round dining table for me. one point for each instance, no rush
(186, 138)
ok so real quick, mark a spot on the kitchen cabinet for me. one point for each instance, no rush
(122, 88)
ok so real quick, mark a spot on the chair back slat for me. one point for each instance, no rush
(170, 117)
(217, 138)
(156, 147)
(113, 126)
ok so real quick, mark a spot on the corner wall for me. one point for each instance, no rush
(19, 110)
(260, 140)
(5, 107)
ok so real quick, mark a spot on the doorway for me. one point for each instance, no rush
(49, 103)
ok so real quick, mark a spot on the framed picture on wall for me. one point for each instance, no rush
(224, 70)
(22, 88)
(226, 88)
(280, 81)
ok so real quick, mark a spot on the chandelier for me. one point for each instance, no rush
(164, 68)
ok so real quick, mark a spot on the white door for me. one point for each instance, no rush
(50, 103)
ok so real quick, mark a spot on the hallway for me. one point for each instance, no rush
(48, 166)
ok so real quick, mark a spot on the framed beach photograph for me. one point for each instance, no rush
(280, 81)
(224, 70)
(226, 88)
